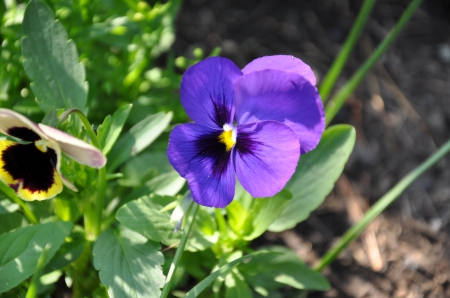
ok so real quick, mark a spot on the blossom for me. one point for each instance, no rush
(31, 166)
(252, 123)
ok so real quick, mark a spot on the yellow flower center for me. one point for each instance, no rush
(41, 145)
(228, 137)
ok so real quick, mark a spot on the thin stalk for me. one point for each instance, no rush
(9, 192)
(335, 104)
(34, 283)
(179, 252)
(333, 73)
(101, 182)
(381, 205)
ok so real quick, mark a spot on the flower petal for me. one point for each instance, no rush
(18, 126)
(284, 97)
(29, 171)
(207, 91)
(283, 62)
(266, 156)
(195, 152)
(76, 149)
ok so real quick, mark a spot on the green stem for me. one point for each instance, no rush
(333, 73)
(381, 205)
(34, 283)
(339, 99)
(179, 252)
(96, 216)
(9, 192)
(222, 224)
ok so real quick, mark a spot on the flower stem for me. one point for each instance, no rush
(101, 182)
(381, 205)
(179, 252)
(34, 283)
(333, 73)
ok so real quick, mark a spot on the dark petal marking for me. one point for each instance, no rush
(23, 133)
(209, 147)
(245, 144)
(222, 115)
(30, 165)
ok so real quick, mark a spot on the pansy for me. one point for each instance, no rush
(31, 166)
(252, 123)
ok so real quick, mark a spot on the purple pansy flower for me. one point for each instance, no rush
(253, 123)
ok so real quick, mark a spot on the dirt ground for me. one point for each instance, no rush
(401, 113)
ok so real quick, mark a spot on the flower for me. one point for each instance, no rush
(253, 124)
(32, 166)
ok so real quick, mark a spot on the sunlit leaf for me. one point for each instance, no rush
(265, 211)
(21, 249)
(129, 264)
(316, 174)
(143, 216)
(109, 131)
(51, 60)
(137, 139)
(281, 267)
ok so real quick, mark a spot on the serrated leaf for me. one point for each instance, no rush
(21, 249)
(129, 264)
(110, 129)
(137, 139)
(143, 216)
(281, 266)
(316, 174)
(51, 60)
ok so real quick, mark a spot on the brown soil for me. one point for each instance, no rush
(401, 114)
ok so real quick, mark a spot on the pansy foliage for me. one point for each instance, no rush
(252, 123)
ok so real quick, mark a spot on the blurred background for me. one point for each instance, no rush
(401, 113)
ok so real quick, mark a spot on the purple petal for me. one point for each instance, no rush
(195, 152)
(207, 91)
(283, 62)
(284, 97)
(266, 156)
(76, 149)
(18, 126)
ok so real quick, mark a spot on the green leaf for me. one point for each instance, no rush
(265, 211)
(143, 216)
(316, 174)
(51, 60)
(69, 251)
(200, 287)
(271, 270)
(168, 184)
(110, 129)
(237, 217)
(204, 232)
(6, 206)
(129, 264)
(236, 286)
(137, 139)
(10, 221)
(21, 249)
